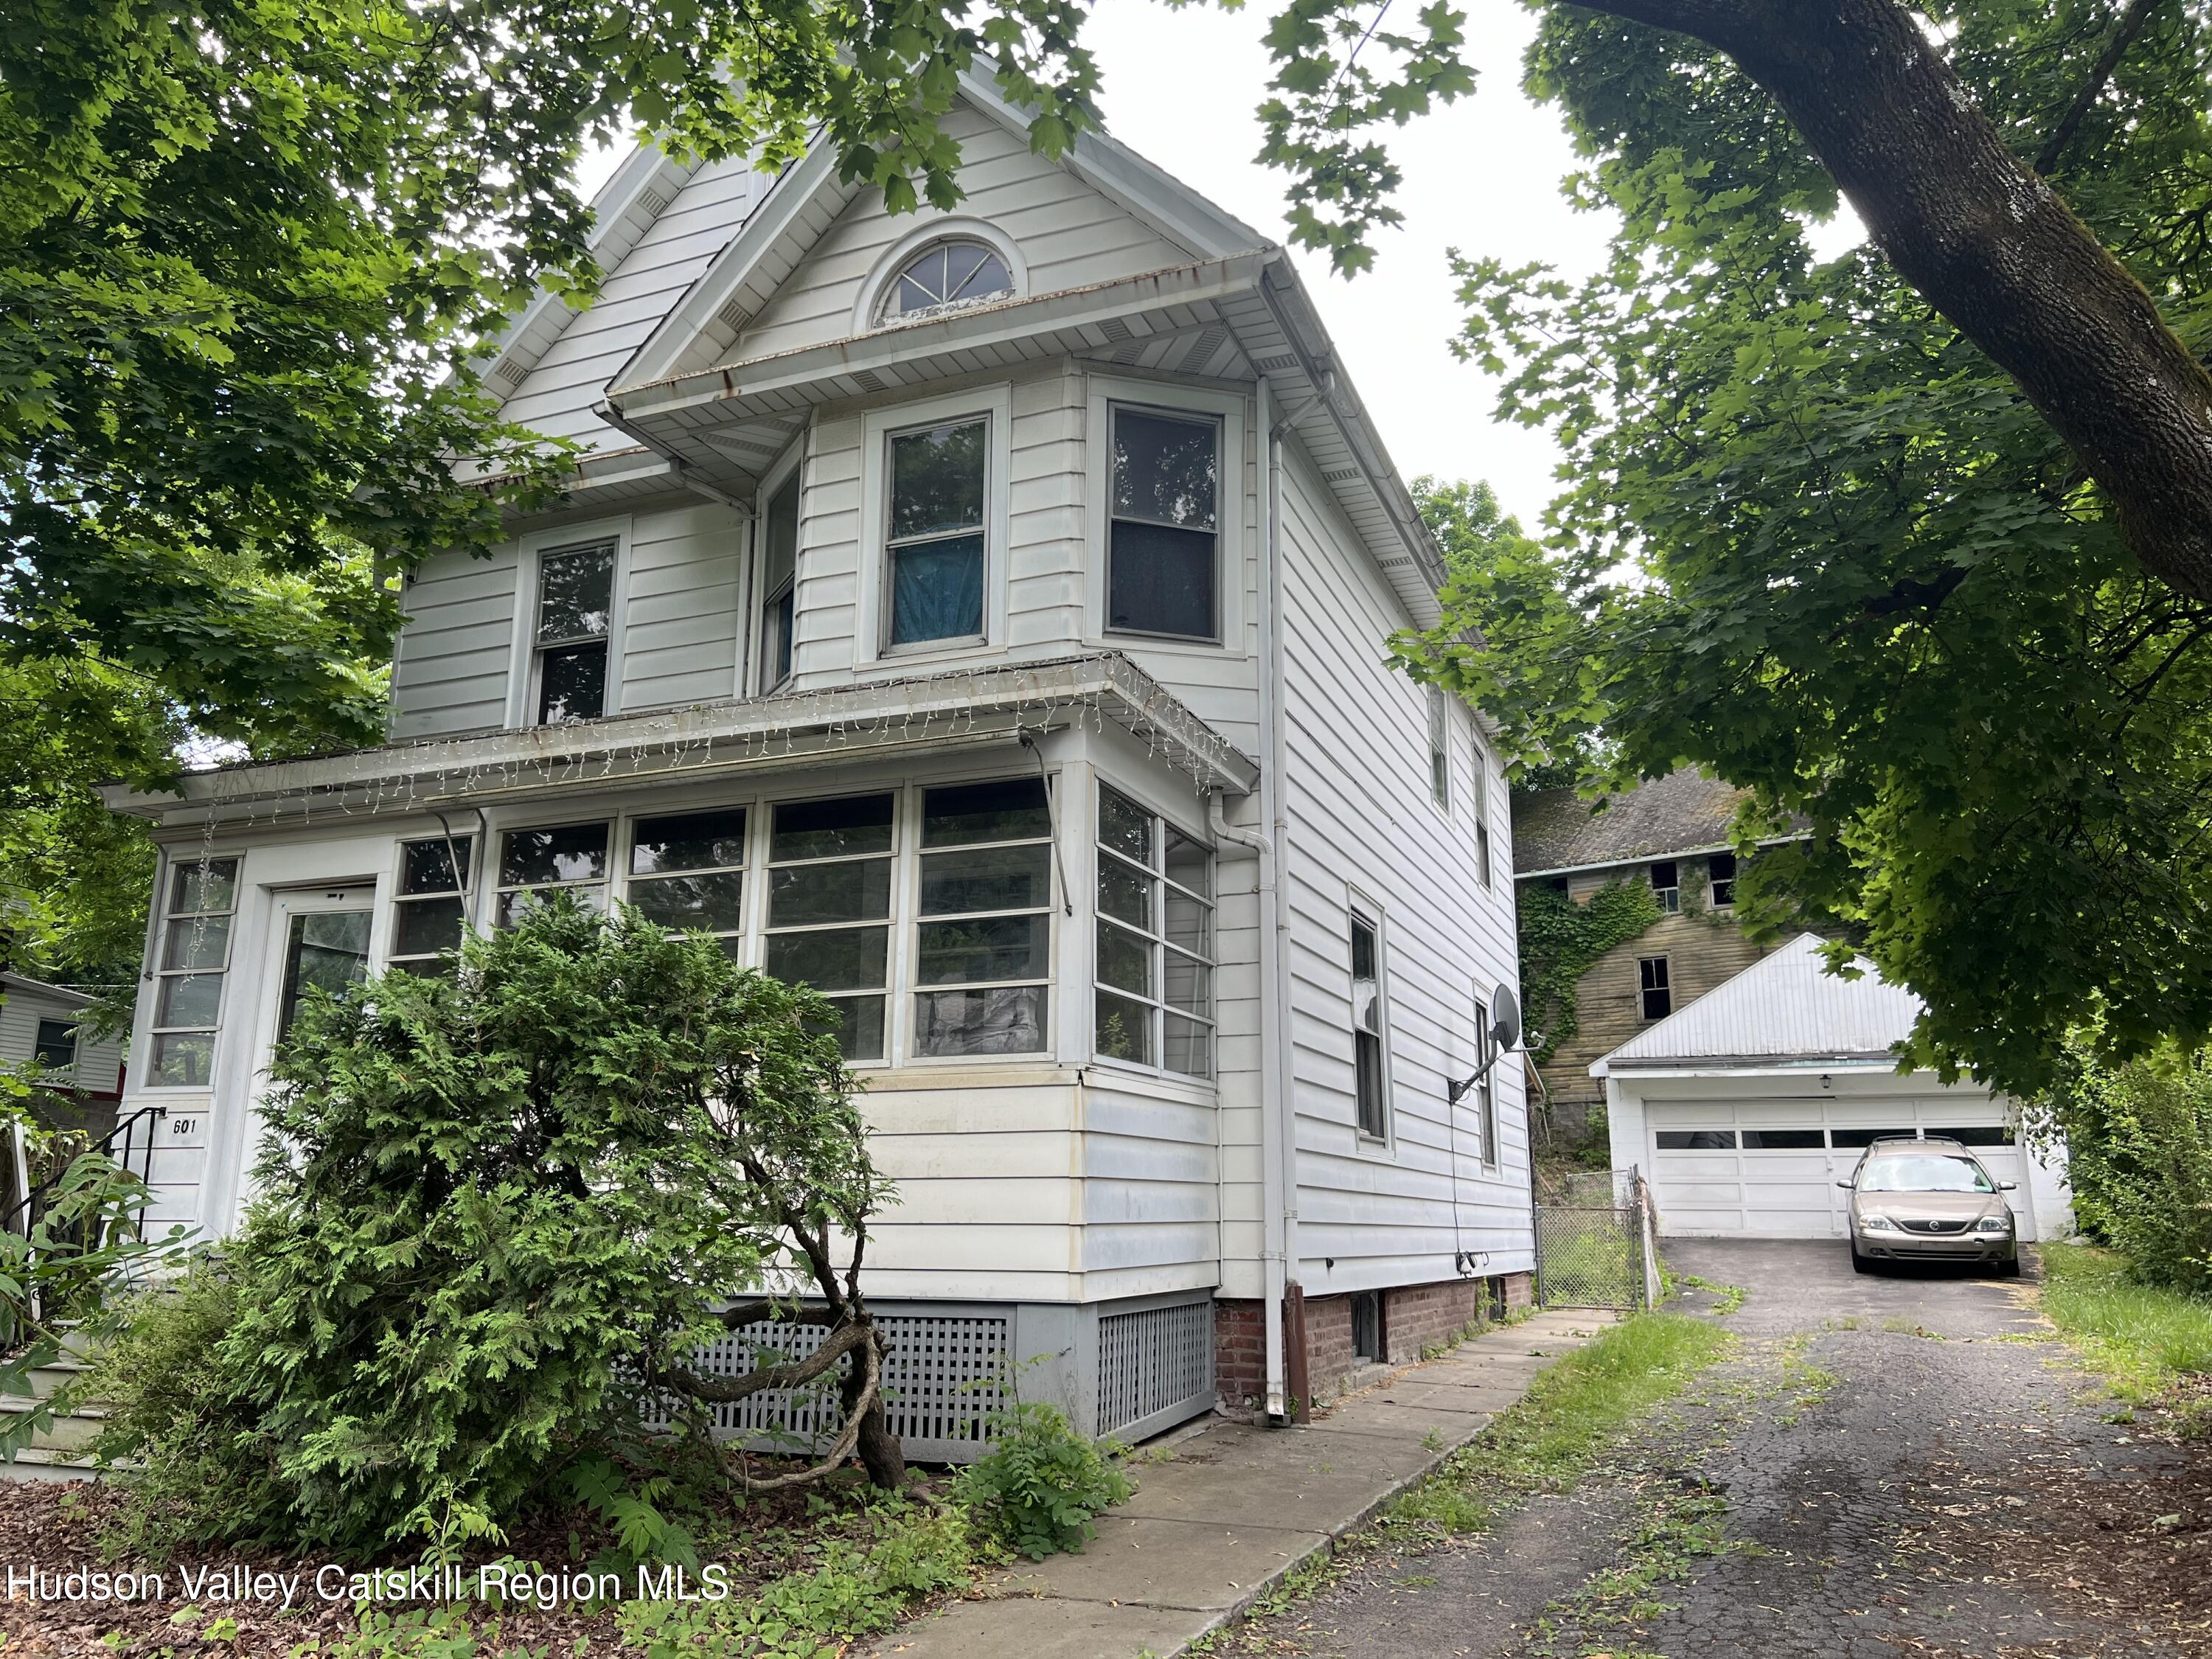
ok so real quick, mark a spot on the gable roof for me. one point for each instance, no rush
(1784, 1009)
(1557, 829)
(22, 984)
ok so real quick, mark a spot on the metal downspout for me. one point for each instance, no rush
(1277, 1138)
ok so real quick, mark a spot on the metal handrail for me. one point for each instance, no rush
(27, 1211)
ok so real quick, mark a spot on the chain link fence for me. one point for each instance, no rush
(1595, 1243)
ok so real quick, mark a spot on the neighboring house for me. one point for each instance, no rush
(1746, 1108)
(981, 617)
(45, 1023)
(1672, 834)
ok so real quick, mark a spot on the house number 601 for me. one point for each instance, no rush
(183, 1126)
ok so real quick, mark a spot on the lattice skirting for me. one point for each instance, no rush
(1129, 1369)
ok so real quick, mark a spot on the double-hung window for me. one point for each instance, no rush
(933, 548)
(1667, 885)
(1164, 533)
(1439, 748)
(829, 906)
(688, 871)
(195, 950)
(1154, 1002)
(534, 864)
(1487, 1062)
(430, 913)
(983, 958)
(576, 610)
(56, 1048)
(1655, 989)
(778, 566)
(1482, 854)
(1369, 1068)
(1720, 879)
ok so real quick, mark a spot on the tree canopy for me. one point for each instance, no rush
(1819, 543)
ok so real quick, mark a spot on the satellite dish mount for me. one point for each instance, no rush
(1503, 1024)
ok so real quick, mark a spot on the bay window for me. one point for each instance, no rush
(829, 906)
(1153, 1001)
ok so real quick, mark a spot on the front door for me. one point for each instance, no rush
(320, 942)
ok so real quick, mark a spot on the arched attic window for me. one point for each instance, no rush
(946, 276)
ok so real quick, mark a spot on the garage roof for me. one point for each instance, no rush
(1784, 1008)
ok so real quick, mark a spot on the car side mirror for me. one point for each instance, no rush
(2008, 1186)
(1847, 1185)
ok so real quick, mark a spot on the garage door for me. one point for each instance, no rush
(1769, 1170)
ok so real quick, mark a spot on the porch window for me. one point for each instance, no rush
(56, 1045)
(1162, 551)
(1371, 1071)
(1654, 988)
(688, 873)
(934, 549)
(195, 950)
(570, 858)
(1720, 879)
(829, 906)
(779, 583)
(575, 608)
(1154, 999)
(430, 913)
(984, 957)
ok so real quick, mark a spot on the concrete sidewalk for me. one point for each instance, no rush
(1233, 1509)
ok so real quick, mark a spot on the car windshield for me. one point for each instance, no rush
(1919, 1173)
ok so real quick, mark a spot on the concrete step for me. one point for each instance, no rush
(72, 1431)
(37, 1463)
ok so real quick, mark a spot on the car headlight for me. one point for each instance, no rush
(1873, 1222)
(1994, 1224)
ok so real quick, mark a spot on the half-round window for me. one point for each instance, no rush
(946, 275)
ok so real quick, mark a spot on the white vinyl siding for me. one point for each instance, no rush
(681, 627)
(449, 675)
(99, 1060)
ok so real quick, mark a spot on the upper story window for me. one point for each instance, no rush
(431, 911)
(1720, 879)
(1439, 749)
(1482, 854)
(1163, 536)
(1371, 1071)
(946, 276)
(56, 1044)
(1667, 885)
(575, 608)
(934, 547)
(195, 950)
(1655, 987)
(779, 582)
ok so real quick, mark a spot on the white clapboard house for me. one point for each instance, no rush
(979, 615)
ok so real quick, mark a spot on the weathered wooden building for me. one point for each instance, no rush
(979, 615)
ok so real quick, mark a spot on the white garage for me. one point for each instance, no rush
(1744, 1107)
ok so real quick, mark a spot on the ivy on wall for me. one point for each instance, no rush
(1559, 941)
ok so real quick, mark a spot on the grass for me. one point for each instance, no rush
(1727, 1298)
(2153, 1346)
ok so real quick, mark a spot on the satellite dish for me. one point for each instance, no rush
(1504, 1019)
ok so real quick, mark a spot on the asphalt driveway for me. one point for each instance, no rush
(1904, 1464)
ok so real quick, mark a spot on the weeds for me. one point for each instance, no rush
(1727, 1298)
(2152, 1345)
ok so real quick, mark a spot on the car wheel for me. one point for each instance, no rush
(1860, 1264)
(2009, 1267)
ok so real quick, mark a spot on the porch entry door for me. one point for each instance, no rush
(320, 941)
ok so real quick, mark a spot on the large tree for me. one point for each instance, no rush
(1819, 542)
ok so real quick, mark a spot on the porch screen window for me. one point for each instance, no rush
(779, 583)
(935, 547)
(1371, 1083)
(1439, 749)
(1653, 988)
(829, 906)
(534, 864)
(431, 911)
(195, 950)
(1154, 1001)
(56, 1044)
(688, 873)
(1720, 879)
(984, 953)
(1163, 543)
(575, 605)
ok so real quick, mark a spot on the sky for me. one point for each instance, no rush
(1483, 175)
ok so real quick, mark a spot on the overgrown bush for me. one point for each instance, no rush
(1043, 1482)
(2139, 1147)
(496, 1211)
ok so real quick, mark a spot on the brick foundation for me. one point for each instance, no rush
(1414, 1317)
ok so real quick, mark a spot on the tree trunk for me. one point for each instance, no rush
(880, 1453)
(1991, 246)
